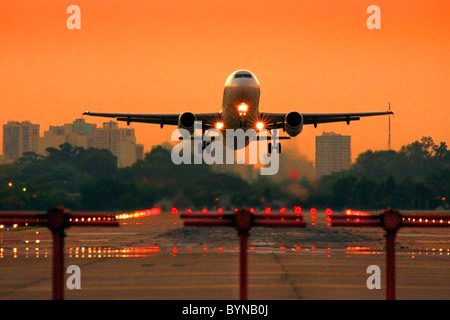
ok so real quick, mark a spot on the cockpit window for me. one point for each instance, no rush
(243, 75)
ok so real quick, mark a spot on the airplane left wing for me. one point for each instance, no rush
(208, 119)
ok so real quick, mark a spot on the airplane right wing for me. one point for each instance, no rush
(277, 120)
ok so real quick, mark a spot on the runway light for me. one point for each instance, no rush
(293, 175)
(328, 212)
(356, 213)
(130, 215)
(267, 210)
(298, 210)
(260, 125)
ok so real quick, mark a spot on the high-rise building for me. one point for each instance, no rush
(333, 153)
(120, 141)
(139, 152)
(19, 137)
(78, 134)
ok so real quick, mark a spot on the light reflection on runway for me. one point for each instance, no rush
(157, 234)
(95, 252)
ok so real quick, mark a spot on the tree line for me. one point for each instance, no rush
(415, 177)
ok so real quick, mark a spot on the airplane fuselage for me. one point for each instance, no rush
(240, 105)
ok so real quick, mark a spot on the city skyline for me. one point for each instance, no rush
(25, 136)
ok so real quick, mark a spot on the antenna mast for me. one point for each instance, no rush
(389, 140)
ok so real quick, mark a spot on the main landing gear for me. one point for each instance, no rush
(276, 147)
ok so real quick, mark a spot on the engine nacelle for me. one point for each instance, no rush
(293, 123)
(186, 121)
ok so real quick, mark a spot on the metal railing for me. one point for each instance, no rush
(57, 220)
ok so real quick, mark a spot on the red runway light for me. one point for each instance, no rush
(313, 211)
(174, 210)
(267, 210)
(298, 210)
(204, 210)
(293, 175)
(356, 213)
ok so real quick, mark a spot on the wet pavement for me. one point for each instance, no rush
(157, 258)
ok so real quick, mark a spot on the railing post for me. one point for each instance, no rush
(243, 243)
(243, 220)
(391, 224)
(391, 221)
(57, 221)
(390, 265)
(243, 226)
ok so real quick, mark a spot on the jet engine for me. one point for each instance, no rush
(293, 123)
(186, 121)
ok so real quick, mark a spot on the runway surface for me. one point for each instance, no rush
(157, 258)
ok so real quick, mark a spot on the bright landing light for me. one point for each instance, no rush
(260, 125)
(219, 125)
(243, 108)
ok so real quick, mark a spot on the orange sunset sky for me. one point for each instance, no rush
(170, 56)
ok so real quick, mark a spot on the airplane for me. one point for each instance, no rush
(240, 109)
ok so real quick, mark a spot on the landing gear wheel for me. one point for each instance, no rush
(270, 148)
